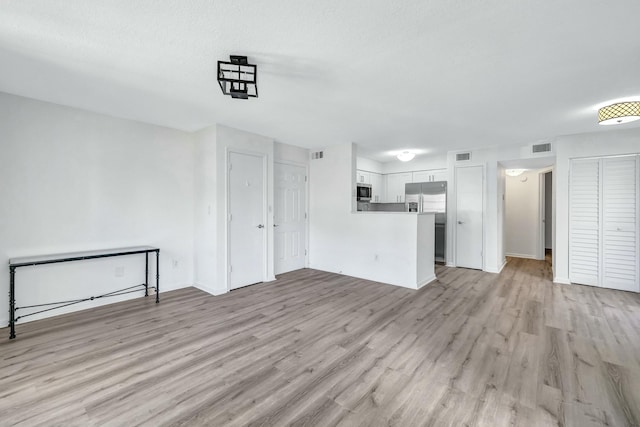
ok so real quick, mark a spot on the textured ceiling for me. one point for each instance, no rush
(429, 75)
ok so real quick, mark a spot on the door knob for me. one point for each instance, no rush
(460, 222)
(275, 225)
(260, 226)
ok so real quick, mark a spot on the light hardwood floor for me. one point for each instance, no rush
(316, 348)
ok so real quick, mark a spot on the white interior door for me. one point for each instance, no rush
(584, 222)
(620, 222)
(469, 189)
(290, 218)
(246, 219)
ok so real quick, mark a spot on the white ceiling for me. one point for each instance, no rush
(430, 75)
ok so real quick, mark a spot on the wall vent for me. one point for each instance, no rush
(463, 156)
(541, 148)
(317, 155)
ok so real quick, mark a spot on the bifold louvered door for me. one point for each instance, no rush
(584, 222)
(620, 223)
(604, 222)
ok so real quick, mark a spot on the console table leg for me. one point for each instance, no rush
(157, 277)
(146, 274)
(12, 302)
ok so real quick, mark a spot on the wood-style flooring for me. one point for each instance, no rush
(315, 348)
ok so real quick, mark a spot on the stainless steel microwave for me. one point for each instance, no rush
(364, 192)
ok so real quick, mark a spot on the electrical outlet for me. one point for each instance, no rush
(119, 271)
(375, 257)
(175, 263)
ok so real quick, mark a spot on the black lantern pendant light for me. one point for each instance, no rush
(238, 78)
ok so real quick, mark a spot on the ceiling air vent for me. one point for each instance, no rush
(541, 148)
(463, 156)
(317, 155)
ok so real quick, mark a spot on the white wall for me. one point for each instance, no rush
(376, 246)
(71, 180)
(368, 165)
(205, 211)
(331, 190)
(290, 154)
(604, 143)
(522, 215)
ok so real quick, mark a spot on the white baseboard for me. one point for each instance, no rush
(375, 279)
(562, 280)
(498, 270)
(527, 256)
(449, 264)
(426, 281)
(171, 287)
(210, 290)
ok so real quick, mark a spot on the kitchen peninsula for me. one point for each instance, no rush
(392, 247)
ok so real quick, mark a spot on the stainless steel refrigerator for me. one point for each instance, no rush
(430, 197)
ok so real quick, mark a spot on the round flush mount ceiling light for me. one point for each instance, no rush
(622, 112)
(405, 156)
(514, 172)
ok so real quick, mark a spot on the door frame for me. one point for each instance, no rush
(454, 234)
(265, 204)
(306, 207)
(540, 250)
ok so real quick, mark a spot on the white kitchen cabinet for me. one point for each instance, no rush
(395, 186)
(363, 177)
(439, 175)
(604, 224)
(430, 175)
(377, 188)
(421, 176)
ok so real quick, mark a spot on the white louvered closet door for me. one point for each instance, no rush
(620, 223)
(584, 222)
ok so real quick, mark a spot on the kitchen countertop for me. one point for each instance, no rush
(393, 213)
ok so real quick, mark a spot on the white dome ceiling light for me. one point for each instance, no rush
(405, 156)
(622, 112)
(514, 172)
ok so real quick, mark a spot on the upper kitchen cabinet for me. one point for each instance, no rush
(377, 187)
(395, 186)
(376, 181)
(363, 177)
(439, 174)
(430, 175)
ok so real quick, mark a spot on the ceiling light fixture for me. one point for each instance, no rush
(405, 156)
(238, 78)
(514, 172)
(622, 112)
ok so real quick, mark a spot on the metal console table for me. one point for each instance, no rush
(15, 263)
